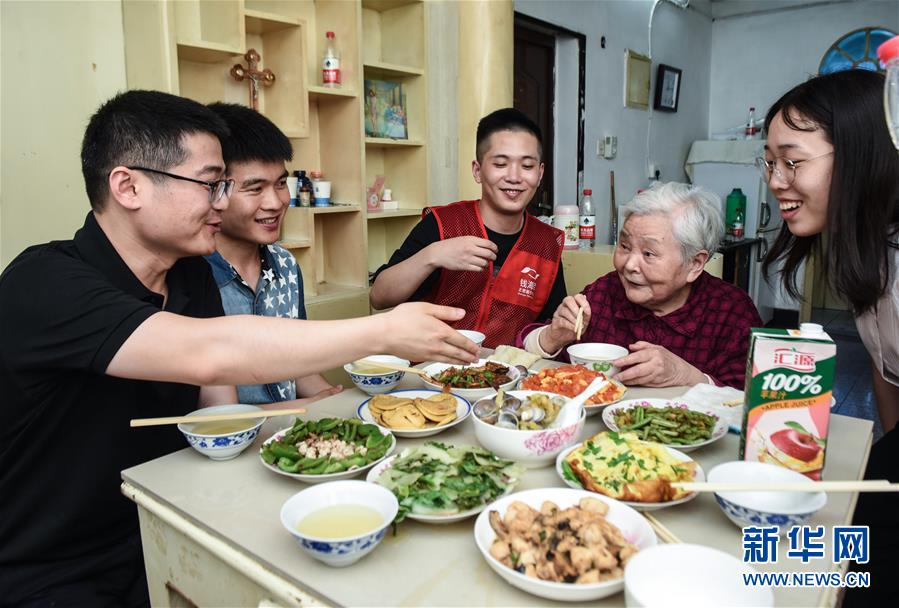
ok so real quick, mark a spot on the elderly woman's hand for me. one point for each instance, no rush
(653, 365)
(560, 332)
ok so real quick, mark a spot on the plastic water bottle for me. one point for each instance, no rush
(587, 221)
(750, 130)
(331, 63)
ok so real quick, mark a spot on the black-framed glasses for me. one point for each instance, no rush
(217, 189)
(783, 168)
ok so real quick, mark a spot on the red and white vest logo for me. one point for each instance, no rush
(793, 359)
(527, 285)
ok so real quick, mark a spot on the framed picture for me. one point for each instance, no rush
(667, 88)
(385, 109)
(637, 68)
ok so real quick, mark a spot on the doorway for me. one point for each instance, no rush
(549, 76)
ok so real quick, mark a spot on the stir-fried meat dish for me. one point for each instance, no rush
(490, 375)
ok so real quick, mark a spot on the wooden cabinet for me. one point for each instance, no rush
(188, 48)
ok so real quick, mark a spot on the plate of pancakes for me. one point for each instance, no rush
(415, 412)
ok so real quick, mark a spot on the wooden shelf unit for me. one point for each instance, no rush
(188, 48)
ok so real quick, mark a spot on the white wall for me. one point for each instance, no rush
(680, 39)
(758, 58)
(60, 60)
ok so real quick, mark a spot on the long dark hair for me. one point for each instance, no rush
(862, 206)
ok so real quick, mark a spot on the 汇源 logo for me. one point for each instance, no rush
(794, 359)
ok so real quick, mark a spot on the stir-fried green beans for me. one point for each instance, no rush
(365, 440)
(672, 425)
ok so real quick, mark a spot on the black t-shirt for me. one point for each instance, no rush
(65, 310)
(427, 232)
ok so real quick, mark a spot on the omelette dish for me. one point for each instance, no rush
(621, 466)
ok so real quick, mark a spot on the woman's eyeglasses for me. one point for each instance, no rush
(217, 189)
(783, 168)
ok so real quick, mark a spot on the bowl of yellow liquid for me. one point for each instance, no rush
(372, 379)
(339, 522)
(222, 440)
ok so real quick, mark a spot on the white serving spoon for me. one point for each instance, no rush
(571, 411)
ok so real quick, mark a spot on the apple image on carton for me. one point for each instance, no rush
(796, 449)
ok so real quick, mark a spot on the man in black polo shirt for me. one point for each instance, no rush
(124, 322)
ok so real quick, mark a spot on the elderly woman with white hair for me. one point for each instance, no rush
(681, 325)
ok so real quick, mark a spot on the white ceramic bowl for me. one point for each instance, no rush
(376, 384)
(347, 550)
(692, 576)
(781, 509)
(471, 394)
(529, 448)
(463, 409)
(475, 336)
(633, 526)
(720, 430)
(698, 476)
(224, 446)
(597, 356)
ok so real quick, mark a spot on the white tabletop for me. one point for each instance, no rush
(239, 501)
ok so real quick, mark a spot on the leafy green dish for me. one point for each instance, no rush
(436, 482)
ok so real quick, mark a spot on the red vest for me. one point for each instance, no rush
(498, 306)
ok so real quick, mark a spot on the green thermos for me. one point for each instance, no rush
(735, 206)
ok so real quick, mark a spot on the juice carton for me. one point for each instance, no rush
(789, 382)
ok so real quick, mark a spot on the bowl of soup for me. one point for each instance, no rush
(373, 379)
(222, 440)
(340, 522)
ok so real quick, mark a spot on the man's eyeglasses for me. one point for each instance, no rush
(783, 168)
(217, 189)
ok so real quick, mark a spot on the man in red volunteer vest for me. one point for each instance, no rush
(486, 256)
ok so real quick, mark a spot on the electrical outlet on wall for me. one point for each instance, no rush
(653, 170)
(607, 147)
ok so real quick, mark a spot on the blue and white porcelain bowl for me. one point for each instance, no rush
(781, 509)
(223, 446)
(341, 551)
(377, 383)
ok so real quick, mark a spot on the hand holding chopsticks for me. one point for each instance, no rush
(215, 417)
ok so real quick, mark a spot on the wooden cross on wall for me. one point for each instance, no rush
(254, 77)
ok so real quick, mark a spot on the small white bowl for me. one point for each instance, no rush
(693, 576)
(475, 336)
(529, 448)
(781, 509)
(377, 383)
(633, 526)
(463, 409)
(339, 551)
(471, 394)
(597, 356)
(224, 446)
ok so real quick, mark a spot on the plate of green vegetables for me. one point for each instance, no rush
(315, 451)
(670, 422)
(440, 484)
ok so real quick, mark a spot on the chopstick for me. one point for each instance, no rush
(879, 485)
(579, 323)
(661, 531)
(392, 366)
(215, 417)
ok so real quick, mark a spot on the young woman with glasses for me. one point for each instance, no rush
(830, 162)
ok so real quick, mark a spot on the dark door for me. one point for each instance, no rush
(534, 87)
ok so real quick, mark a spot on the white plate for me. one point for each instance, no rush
(330, 476)
(463, 409)
(633, 526)
(471, 394)
(446, 518)
(698, 475)
(720, 430)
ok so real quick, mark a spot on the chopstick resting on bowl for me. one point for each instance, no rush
(216, 417)
(393, 367)
(661, 531)
(874, 485)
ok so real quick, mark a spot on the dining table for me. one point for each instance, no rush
(212, 534)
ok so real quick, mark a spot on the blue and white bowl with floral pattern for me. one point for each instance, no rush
(222, 445)
(346, 550)
(378, 382)
(781, 509)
